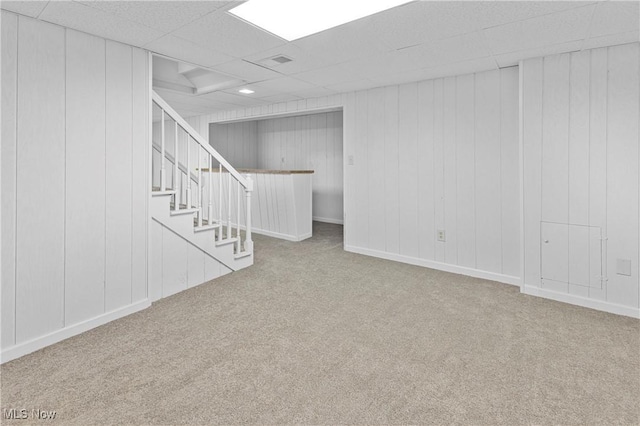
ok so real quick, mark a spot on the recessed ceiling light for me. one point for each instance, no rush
(246, 91)
(293, 19)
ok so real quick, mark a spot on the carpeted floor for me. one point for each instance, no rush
(313, 334)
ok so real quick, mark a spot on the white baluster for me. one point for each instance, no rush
(210, 207)
(220, 201)
(176, 171)
(229, 229)
(239, 246)
(200, 209)
(248, 242)
(163, 177)
(188, 173)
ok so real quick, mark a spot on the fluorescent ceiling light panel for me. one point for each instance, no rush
(293, 19)
(246, 91)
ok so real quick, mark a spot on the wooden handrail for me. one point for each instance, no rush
(191, 132)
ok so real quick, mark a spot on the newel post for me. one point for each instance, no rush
(248, 244)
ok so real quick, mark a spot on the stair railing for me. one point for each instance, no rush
(206, 157)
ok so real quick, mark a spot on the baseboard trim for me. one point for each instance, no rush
(279, 235)
(572, 299)
(328, 220)
(476, 273)
(33, 345)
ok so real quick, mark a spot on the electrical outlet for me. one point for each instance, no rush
(441, 235)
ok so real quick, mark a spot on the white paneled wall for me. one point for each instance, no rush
(580, 136)
(74, 182)
(308, 142)
(434, 155)
(237, 143)
(177, 264)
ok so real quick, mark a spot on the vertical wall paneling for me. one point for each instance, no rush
(377, 172)
(579, 139)
(426, 190)
(174, 263)
(348, 166)
(578, 167)
(119, 175)
(360, 223)
(488, 172)
(391, 173)
(438, 164)
(139, 187)
(555, 139)
(509, 171)
(532, 153)
(598, 154)
(40, 147)
(195, 265)
(465, 171)
(68, 109)
(9, 75)
(587, 105)
(85, 177)
(155, 260)
(450, 175)
(408, 169)
(622, 172)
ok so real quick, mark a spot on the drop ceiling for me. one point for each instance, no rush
(416, 41)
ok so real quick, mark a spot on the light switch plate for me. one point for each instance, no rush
(441, 235)
(623, 267)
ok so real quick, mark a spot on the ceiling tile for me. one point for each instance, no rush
(351, 86)
(27, 8)
(423, 21)
(93, 21)
(224, 33)
(314, 92)
(510, 59)
(246, 70)
(493, 13)
(614, 17)
(450, 50)
(284, 84)
(333, 74)
(166, 16)
(346, 42)
(396, 61)
(612, 40)
(570, 25)
(282, 97)
(302, 60)
(460, 68)
(176, 47)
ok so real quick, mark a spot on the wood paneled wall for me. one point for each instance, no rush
(436, 155)
(420, 157)
(177, 264)
(580, 136)
(237, 143)
(74, 178)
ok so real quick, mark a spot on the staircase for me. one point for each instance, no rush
(197, 194)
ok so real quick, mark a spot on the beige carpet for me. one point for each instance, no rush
(312, 334)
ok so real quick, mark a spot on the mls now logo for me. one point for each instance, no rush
(23, 414)
(15, 414)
